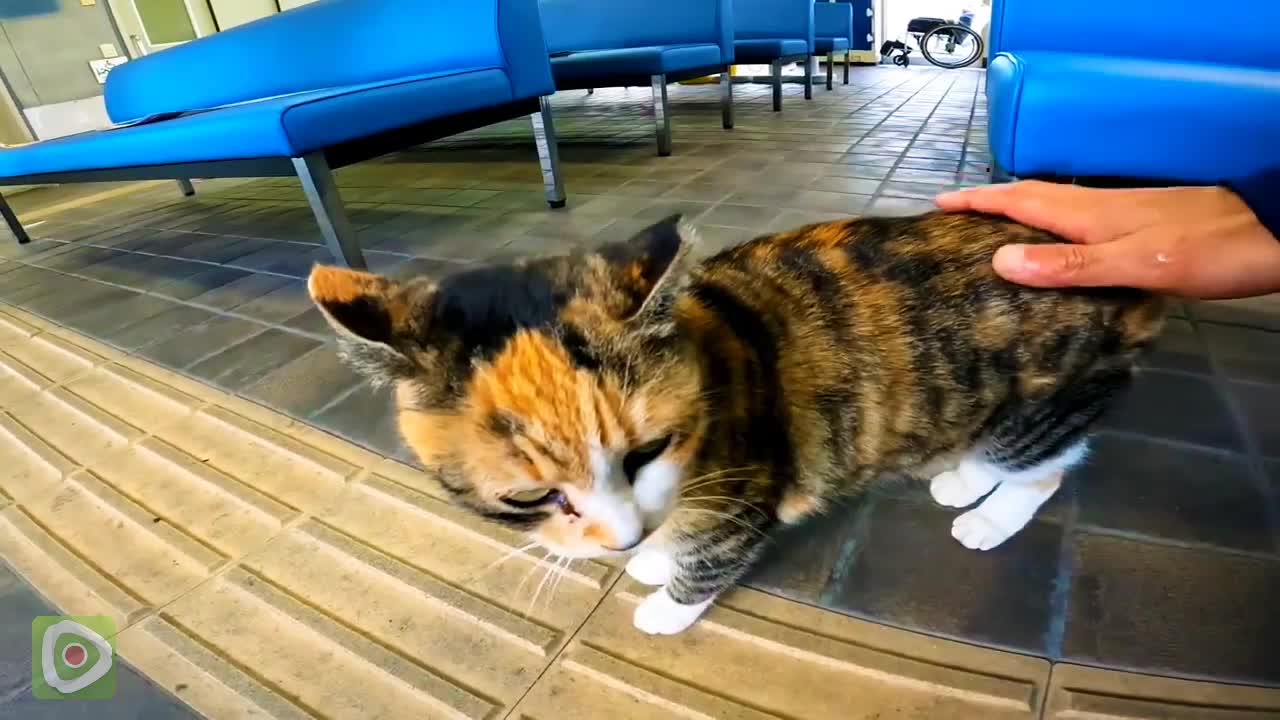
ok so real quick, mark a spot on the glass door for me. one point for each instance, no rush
(165, 23)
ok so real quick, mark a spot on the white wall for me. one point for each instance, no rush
(897, 13)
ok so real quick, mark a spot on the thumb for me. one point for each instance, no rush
(1050, 266)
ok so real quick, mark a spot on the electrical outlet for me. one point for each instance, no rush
(108, 50)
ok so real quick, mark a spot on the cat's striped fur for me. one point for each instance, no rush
(634, 394)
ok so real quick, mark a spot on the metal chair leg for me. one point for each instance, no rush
(661, 115)
(808, 78)
(184, 184)
(726, 98)
(776, 68)
(831, 64)
(846, 67)
(326, 204)
(14, 223)
(544, 136)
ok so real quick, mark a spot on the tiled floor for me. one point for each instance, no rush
(1160, 555)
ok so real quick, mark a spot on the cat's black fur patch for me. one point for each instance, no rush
(484, 307)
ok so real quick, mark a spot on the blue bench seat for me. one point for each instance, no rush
(628, 43)
(833, 33)
(287, 126)
(774, 32)
(596, 68)
(305, 91)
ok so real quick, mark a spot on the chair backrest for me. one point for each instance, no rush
(833, 20)
(329, 43)
(788, 19)
(1219, 32)
(577, 25)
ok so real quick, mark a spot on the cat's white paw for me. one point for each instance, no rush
(976, 531)
(659, 614)
(955, 489)
(650, 567)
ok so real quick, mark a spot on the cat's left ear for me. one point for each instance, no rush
(649, 268)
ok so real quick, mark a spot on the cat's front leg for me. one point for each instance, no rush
(697, 576)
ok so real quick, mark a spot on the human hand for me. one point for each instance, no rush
(1200, 242)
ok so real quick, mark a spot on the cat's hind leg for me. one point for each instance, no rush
(1024, 457)
(1017, 496)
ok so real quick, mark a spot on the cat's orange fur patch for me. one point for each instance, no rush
(339, 285)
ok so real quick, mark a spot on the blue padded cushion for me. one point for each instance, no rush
(578, 25)
(765, 19)
(585, 67)
(765, 50)
(1212, 30)
(1074, 114)
(279, 127)
(822, 45)
(335, 43)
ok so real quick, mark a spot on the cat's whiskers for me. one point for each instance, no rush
(546, 575)
(523, 550)
(561, 572)
(739, 501)
(537, 563)
(726, 516)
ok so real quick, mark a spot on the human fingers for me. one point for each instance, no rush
(1082, 215)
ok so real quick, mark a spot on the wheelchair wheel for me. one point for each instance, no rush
(902, 60)
(951, 46)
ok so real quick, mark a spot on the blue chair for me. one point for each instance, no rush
(833, 33)
(774, 32)
(1080, 90)
(326, 85)
(621, 43)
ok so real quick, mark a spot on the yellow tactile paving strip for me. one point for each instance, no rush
(258, 567)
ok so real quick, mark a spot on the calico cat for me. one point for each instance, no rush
(633, 397)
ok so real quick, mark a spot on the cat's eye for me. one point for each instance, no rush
(643, 455)
(531, 498)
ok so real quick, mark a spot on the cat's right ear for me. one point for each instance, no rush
(379, 322)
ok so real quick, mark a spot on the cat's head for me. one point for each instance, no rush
(553, 395)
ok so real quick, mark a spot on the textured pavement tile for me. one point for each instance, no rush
(305, 385)
(201, 341)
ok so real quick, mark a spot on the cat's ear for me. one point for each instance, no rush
(379, 322)
(651, 266)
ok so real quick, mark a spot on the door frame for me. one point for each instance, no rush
(125, 14)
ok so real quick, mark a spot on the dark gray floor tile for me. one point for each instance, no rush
(136, 698)
(1261, 312)
(19, 606)
(910, 572)
(246, 288)
(857, 185)
(1173, 610)
(311, 321)
(141, 272)
(1141, 486)
(100, 320)
(367, 417)
(1179, 407)
(292, 259)
(75, 298)
(286, 301)
(157, 328)
(248, 361)
(743, 216)
(1260, 405)
(204, 281)
(215, 248)
(799, 561)
(305, 385)
(1179, 348)
(201, 341)
(1244, 353)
